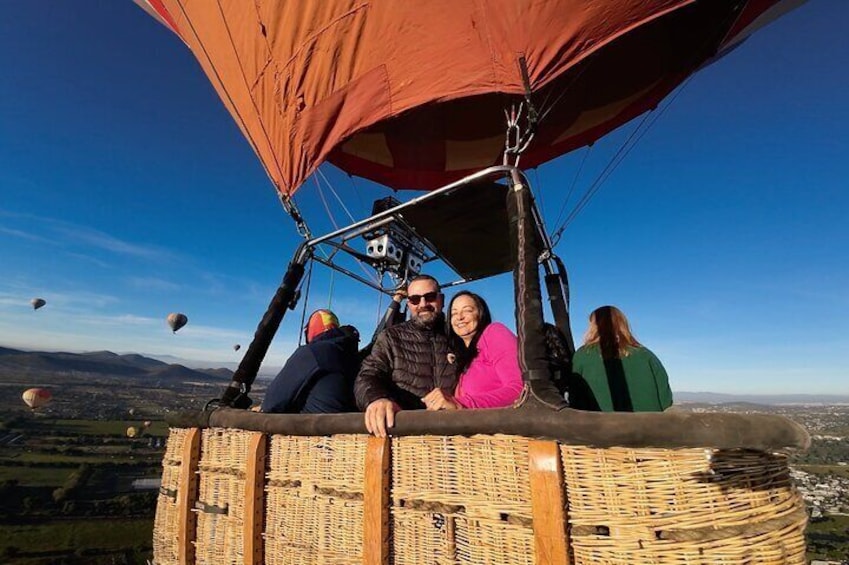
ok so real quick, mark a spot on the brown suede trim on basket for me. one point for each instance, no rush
(573, 427)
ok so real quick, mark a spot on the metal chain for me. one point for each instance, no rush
(291, 209)
(516, 140)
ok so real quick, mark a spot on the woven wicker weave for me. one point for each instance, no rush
(166, 522)
(480, 540)
(466, 500)
(423, 538)
(486, 475)
(461, 500)
(221, 500)
(687, 506)
(314, 510)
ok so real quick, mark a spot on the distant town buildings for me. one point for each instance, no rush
(824, 494)
(826, 491)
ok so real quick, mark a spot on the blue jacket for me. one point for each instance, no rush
(317, 379)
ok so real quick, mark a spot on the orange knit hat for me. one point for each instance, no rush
(320, 321)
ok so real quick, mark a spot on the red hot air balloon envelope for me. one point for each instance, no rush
(36, 397)
(176, 321)
(412, 94)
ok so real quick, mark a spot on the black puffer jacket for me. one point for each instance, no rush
(406, 362)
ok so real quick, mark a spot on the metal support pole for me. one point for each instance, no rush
(236, 394)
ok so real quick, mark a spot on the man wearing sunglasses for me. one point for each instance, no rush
(407, 361)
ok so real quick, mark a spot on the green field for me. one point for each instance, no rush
(28, 543)
(101, 427)
(64, 458)
(827, 538)
(838, 470)
(36, 476)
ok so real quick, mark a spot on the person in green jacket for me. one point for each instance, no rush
(613, 372)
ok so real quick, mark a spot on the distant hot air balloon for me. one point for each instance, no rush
(237, 347)
(35, 397)
(132, 431)
(37, 303)
(176, 320)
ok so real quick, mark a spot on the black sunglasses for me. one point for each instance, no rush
(414, 299)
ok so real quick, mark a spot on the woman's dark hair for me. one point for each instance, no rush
(464, 354)
(609, 329)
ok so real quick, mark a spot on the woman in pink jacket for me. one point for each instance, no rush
(487, 359)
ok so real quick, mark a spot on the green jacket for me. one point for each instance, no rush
(634, 383)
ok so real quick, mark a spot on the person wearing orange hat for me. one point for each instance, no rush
(319, 322)
(318, 378)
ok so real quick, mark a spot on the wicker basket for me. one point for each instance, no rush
(314, 512)
(220, 505)
(682, 506)
(452, 500)
(165, 544)
(461, 500)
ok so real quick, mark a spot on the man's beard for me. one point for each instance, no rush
(426, 319)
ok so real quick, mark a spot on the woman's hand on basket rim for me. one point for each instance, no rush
(438, 399)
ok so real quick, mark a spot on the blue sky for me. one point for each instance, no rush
(127, 192)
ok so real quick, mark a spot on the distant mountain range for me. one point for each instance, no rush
(772, 399)
(134, 365)
(104, 363)
(265, 371)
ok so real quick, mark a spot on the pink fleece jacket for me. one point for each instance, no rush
(493, 379)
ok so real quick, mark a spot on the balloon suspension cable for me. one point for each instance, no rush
(308, 285)
(555, 238)
(515, 141)
(647, 123)
(518, 139)
(292, 209)
(649, 119)
(335, 194)
(363, 268)
(379, 311)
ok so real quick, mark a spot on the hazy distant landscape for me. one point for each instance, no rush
(768, 399)
(70, 477)
(73, 483)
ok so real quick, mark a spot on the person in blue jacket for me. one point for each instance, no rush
(319, 376)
